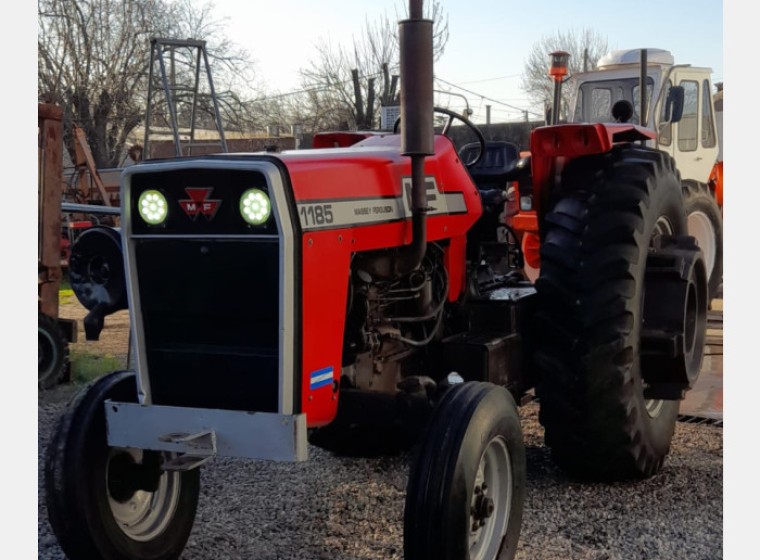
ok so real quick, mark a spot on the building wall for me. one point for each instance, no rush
(165, 148)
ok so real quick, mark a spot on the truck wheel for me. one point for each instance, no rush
(610, 209)
(467, 482)
(51, 352)
(106, 502)
(705, 224)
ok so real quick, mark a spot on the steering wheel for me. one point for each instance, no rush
(453, 115)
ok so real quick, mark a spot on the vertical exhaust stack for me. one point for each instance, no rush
(643, 88)
(416, 69)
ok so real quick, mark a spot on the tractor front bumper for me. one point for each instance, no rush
(196, 435)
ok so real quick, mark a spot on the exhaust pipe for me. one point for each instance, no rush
(416, 72)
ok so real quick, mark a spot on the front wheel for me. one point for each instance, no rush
(107, 502)
(467, 483)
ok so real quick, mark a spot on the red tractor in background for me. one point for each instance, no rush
(365, 297)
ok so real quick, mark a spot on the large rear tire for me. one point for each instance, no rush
(114, 503)
(705, 224)
(608, 213)
(466, 486)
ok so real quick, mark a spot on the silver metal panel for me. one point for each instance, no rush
(240, 434)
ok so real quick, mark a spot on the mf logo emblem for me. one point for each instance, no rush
(431, 194)
(200, 203)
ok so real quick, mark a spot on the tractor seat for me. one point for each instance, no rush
(491, 171)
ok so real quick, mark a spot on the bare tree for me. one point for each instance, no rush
(94, 56)
(354, 82)
(585, 48)
(233, 71)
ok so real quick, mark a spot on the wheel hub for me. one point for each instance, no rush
(482, 509)
(99, 270)
(491, 501)
(141, 514)
(675, 318)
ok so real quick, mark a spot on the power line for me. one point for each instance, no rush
(492, 79)
(513, 107)
(314, 88)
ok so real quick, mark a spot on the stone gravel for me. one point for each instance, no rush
(347, 508)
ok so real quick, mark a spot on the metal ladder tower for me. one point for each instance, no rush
(179, 71)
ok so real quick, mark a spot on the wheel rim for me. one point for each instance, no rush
(491, 501)
(701, 229)
(140, 514)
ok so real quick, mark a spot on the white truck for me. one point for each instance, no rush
(679, 108)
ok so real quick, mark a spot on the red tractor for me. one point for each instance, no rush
(364, 296)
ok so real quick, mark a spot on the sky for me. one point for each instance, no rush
(489, 41)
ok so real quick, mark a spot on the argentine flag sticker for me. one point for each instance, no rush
(321, 378)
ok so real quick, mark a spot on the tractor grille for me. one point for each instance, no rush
(208, 290)
(210, 310)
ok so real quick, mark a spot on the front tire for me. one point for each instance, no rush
(113, 503)
(609, 211)
(467, 483)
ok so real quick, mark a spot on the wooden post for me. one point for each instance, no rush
(49, 190)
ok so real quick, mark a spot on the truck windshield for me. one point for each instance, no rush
(595, 99)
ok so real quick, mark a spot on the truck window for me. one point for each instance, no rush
(637, 101)
(665, 136)
(708, 128)
(594, 102)
(687, 126)
(595, 99)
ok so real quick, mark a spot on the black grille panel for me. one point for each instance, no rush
(211, 321)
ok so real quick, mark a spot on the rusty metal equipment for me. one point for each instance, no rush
(85, 163)
(54, 333)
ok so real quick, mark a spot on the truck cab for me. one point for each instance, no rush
(692, 140)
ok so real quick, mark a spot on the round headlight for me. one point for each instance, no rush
(152, 207)
(255, 207)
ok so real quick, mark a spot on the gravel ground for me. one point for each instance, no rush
(339, 508)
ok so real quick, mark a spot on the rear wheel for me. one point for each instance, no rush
(51, 352)
(107, 502)
(611, 212)
(705, 224)
(467, 483)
